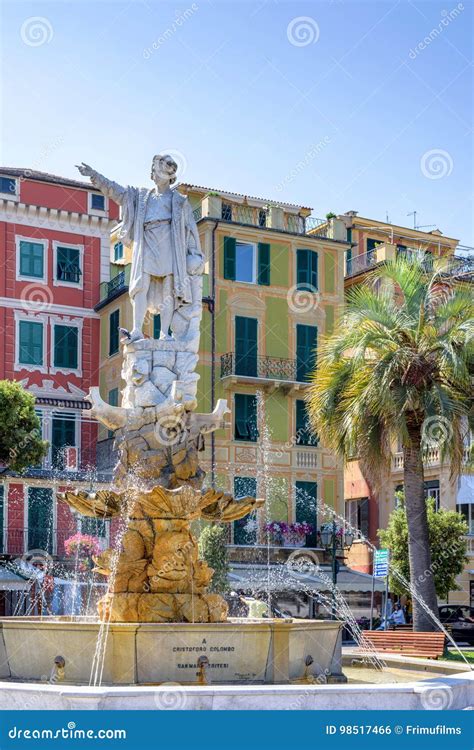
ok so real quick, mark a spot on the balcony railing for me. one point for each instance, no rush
(265, 368)
(360, 263)
(268, 217)
(457, 267)
(119, 283)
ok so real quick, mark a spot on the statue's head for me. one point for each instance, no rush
(163, 168)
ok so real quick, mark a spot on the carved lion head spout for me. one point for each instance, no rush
(163, 169)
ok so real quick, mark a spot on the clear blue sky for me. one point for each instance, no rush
(245, 106)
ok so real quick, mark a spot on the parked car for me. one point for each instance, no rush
(460, 621)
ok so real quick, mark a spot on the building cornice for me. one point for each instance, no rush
(56, 219)
(19, 304)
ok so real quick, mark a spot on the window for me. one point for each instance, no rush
(432, 490)
(31, 259)
(306, 508)
(246, 262)
(262, 217)
(467, 510)
(304, 434)
(118, 251)
(114, 322)
(66, 346)
(371, 244)
(245, 417)
(306, 342)
(30, 348)
(68, 264)
(97, 201)
(8, 185)
(349, 234)
(226, 211)
(307, 270)
(245, 529)
(113, 401)
(63, 435)
(94, 526)
(402, 250)
(246, 346)
(357, 514)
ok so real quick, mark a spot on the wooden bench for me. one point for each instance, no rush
(428, 645)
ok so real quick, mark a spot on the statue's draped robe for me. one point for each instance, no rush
(184, 238)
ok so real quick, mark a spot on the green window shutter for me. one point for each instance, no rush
(31, 259)
(371, 244)
(66, 347)
(114, 322)
(349, 234)
(307, 270)
(40, 518)
(302, 267)
(2, 514)
(156, 326)
(246, 346)
(264, 263)
(306, 343)
(306, 508)
(30, 350)
(245, 532)
(229, 258)
(68, 266)
(245, 417)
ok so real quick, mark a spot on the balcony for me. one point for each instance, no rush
(456, 266)
(432, 458)
(268, 217)
(109, 290)
(267, 372)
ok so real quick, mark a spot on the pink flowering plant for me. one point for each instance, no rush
(84, 547)
(291, 534)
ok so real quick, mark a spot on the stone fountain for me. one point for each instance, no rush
(157, 617)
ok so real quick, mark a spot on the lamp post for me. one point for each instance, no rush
(332, 541)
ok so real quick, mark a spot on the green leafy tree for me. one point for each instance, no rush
(397, 368)
(446, 532)
(20, 434)
(212, 548)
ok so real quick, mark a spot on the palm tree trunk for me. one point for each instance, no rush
(419, 554)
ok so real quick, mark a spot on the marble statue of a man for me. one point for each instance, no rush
(166, 252)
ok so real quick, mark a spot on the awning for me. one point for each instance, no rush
(465, 490)
(285, 578)
(11, 582)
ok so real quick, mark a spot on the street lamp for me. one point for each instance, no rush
(333, 540)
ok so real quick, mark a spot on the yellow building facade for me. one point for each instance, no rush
(271, 292)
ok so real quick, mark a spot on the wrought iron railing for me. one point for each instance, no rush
(267, 368)
(359, 263)
(117, 284)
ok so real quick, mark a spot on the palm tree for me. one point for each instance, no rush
(397, 367)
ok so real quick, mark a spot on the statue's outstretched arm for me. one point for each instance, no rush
(108, 187)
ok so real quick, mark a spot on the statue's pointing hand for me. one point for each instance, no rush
(85, 169)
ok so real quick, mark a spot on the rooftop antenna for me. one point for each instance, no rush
(387, 220)
(419, 226)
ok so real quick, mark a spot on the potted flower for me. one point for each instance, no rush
(294, 534)
(84, 548)
(273, 529)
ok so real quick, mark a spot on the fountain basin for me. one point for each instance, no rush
(239, 650)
